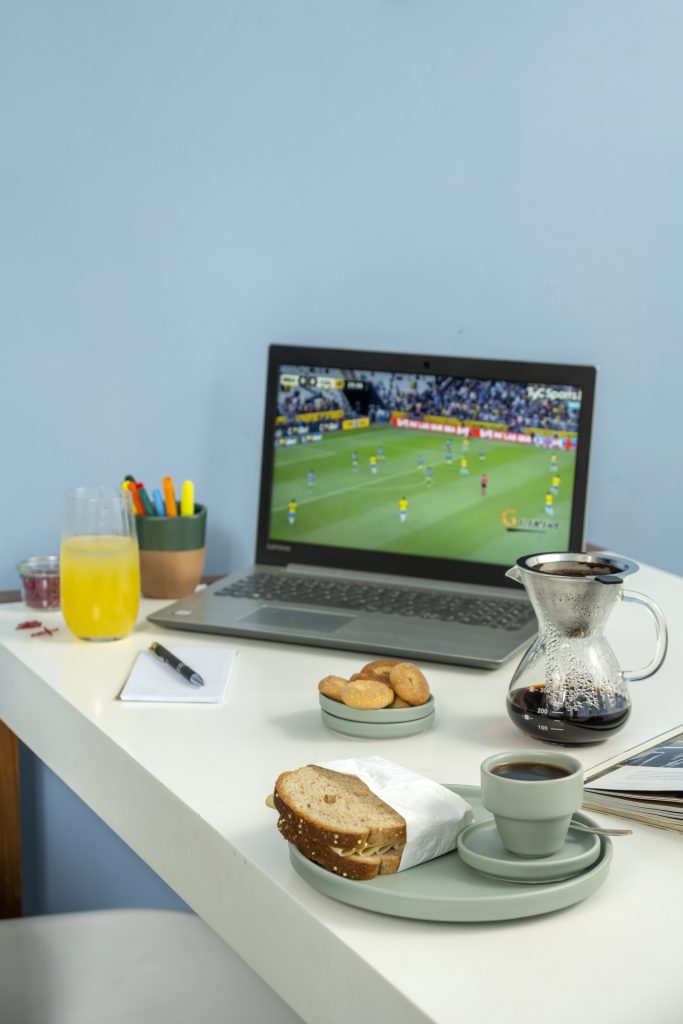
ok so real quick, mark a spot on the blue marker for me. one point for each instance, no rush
(158, 500)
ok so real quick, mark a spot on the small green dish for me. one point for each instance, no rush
(384, 715)
(377, 730)
(481, 848)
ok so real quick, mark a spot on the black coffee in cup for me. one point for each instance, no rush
(530, 771)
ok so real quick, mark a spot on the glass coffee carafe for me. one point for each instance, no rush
(568, 687)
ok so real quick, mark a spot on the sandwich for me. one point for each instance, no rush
(338, 822)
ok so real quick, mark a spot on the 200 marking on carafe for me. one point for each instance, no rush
(531, 711)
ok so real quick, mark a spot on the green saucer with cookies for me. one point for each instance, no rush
(386, 699)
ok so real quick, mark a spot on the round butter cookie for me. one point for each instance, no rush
(331, 686)
(367, 675)
(367, 694)
(398, 703)
(382, 668)
(409, 683)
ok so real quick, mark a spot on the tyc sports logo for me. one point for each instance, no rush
(542, 391)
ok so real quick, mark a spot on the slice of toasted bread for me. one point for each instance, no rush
(358, 865)
(335, 810)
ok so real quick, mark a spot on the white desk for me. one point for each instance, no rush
(184, 786)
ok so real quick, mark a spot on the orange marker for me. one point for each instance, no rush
(169, 496)
(139, 507)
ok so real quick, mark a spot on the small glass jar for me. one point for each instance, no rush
(40, 581)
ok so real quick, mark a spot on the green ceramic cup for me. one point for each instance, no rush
(534, 799)
(172, 552)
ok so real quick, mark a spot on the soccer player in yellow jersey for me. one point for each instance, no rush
(373, 464)
(553, 463)
(464, 466)
(291, 512)
(549, 499)
(555, 484)
(403, 509)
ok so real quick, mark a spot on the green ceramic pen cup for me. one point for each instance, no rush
(172, 550)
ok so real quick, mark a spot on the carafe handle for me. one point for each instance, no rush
(634, 597)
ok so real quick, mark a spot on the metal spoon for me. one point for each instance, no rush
(601, 831)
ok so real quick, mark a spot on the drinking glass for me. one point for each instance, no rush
(100, 563)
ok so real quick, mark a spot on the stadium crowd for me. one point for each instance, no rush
(514, 405)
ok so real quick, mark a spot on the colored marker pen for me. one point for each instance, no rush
(144, 498)
(133, 491)
(169, 496)
(187, 499)
(158, 500)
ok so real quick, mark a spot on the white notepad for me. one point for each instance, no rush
(152, 679)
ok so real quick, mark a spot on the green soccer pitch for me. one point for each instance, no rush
(449, 518)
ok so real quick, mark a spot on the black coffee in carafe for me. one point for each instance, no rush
(569, 688)
(531, 711)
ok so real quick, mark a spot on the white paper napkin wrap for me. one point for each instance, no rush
(434, 815)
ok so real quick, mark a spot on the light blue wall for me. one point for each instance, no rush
(184, 183)
(71, 860)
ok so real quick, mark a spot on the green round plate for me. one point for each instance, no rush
(393, 715)
(446, 889)
(481, 847)
(377, 730)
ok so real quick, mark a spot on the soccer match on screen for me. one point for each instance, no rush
(420, 464)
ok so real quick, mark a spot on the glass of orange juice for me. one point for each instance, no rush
(99, 563)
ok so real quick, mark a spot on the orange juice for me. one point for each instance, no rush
(100, 584)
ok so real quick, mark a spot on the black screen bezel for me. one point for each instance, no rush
(278, 553)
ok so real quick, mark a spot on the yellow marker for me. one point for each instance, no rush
(187, 499)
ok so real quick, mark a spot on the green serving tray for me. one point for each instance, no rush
(446, 889)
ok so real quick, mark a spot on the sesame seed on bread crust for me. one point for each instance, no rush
(333, 809)
(353, 866)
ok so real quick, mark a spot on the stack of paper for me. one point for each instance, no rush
(152, 679)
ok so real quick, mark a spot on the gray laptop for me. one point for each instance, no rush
(395, 492)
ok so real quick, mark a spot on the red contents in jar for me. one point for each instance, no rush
(40, 581)
(41, 591)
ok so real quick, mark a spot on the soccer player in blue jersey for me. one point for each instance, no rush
(310, 479)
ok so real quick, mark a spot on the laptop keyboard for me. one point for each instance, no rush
(496, 613)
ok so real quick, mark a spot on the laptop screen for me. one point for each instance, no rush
(423, 466)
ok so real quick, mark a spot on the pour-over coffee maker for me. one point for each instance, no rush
(568, 687)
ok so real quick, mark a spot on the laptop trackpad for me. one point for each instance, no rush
(292, 618)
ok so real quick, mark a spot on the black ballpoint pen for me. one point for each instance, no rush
(185, 671)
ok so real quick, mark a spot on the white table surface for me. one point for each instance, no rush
(185, 787)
